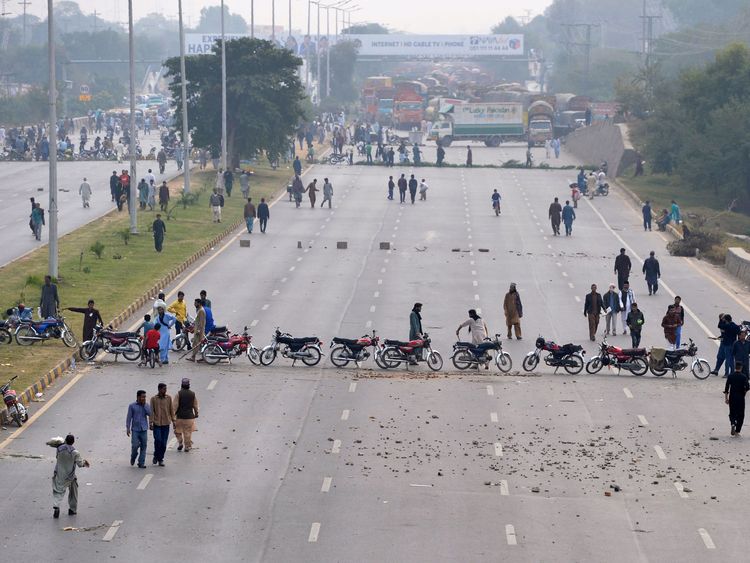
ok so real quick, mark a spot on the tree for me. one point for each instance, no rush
(264, 97)
(343, 60)
(210, 21)
(366, 29)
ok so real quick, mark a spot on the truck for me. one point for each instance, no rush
(541, 123)
(372, 89)
(385, 110)
(490, 123)
(410, 102)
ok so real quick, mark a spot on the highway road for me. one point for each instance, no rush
(325, 464)
(21, 180)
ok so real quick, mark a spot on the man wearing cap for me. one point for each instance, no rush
(162, 417)
(741, 351)
(185, 405)
(622, 268)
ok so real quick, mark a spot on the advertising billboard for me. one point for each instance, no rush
(438, 45)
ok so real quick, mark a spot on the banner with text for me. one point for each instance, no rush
(437, 45)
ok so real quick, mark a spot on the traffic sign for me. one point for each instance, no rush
(84, 97)
(84, 89)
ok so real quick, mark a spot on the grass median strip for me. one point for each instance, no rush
(124, 269)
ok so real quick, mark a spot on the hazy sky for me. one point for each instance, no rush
(414, 16)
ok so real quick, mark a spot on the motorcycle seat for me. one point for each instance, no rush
(634, 351)
(571, 348)
(123, 334)
(297, 341)
(347, 341)
(397, 343)
(218, 329)
(464, 344)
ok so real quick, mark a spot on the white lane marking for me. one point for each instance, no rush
(382, 270)
(314, 531)
(549, 245)
(493, 417)
(627, 392)
(368, 324)
(471, 263)
(172, 443)
(498, 449)
(283, 280)
(386, 260)
(476, 297)
(510, 534)
(642, 420)
(490, 390)
(336, 448)
(578, 299)
(565, 274)
(708, 542)
(352, 387)
(504, 488)
(376, 295)
(558, 264)
(145, 481)
(345, 414)
(299, 259)
(254, 323)
(380, 282)
(473, 272)
(326, 485)
(265, 307)
(660, 452)
(475, 283)
(109, 536)
(212, 385)
(275, 293)
(680, 489)
(372, 308)
(292, 268)
(570, 285)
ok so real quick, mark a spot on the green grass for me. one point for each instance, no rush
(125, 271)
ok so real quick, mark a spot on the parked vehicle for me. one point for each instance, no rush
(29, 333)
(7, 328)
(217, 349)
(541, 123)
(675, 360)
(307, 349)
(567, 356)
(468, 355)
(490, 123)
(397, 352)
(346, 350)
(631, 359)
(16, 410)
(126, 343)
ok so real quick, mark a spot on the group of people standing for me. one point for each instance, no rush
(411, 185)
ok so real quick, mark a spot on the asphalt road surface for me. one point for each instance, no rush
(21, 180)
(322, 464)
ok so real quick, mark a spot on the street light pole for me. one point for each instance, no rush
(289, 34)
(52, 136)
(252, 18)
(133, 133)
(317, 53)
(273, 20)
(328, 52)
(307, 51)
(183, 81)
(223, 93)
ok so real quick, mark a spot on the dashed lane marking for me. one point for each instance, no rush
(493, 417)
(352, 387)
(275, 293)
(660, 452)
(265, 307)
(372, 308)
(642, 420)
(627, 392)
(707, 541)
(490, 390)
(680, 489)
(212, 385)
(510, 534)
(336, 448)
(283, 280)
(145, 481)
(326, 485)
(314, 531)
(254, 323)
(504, 488)
(570, 285)
(345, 414)
(368, 324)
(109, 536)
(578, 299)
(498, 449)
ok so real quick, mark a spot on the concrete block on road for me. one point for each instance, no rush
(245, 243)
(484, 250)
(342, 245)
(299, 244)
(385, 246)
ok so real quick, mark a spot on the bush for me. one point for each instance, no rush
(699, 239)
(98, 249)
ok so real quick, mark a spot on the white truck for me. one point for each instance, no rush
(491, 123)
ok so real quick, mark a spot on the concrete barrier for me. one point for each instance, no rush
(342, 245)
(245, 243)
(738, 263)
(385, 246)
(602, 141)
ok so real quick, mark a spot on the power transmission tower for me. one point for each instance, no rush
(578, 41)
(24, 3)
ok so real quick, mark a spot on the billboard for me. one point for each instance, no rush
(438, 45)
(202, 43)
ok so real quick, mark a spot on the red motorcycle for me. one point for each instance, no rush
(16, 410)
(396, 352)
(353, 350)
(631, 359)
(126, 343)
(216, 349)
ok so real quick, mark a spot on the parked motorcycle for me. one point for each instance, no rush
(631, 359)
(7, 328)
(184, 337)
(397, 352)
(674, 361)
(306, 349)
(346, 350)
(567, 356)
(16, 410)
(468, 355)
(126, 343)
(29, 333)
(217, 349)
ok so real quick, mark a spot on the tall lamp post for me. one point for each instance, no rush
(133, 132)
(52, 137)
(223, 93)
(183, 81)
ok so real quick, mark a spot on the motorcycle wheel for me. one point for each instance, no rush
(253, 354)
(313, 358)
(178, 343)
(701, 369)
(530, 362)
(268, 356)
(134, 351)
(379, 359)
(212, 354)
(339, 357)
(68, 338)
(391, 358)
(25, 336)
(573, 364)
(17, 418)
(435, 361)
(594, 365)
(504, 362)
(5, 336)
(642, 366)
(658, 372)
(152, 358)
(462, 359)
(88, 351)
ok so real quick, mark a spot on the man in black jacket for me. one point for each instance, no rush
(622, 268)
(652, 272)
(592, 309)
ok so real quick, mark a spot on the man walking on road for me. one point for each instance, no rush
(635, 322)
(264, 214)
(611, 301)
(735, 390)
(312, 189)
(186, 411)
(249, 214)
(64, 478)
(622, 268)
(555, 216)
(199, 328)
(391, 185)
(568, 216)
(627, 298)
(741, 351)
(136, 427)
(160, 229)
(469, 157)
(592, 309)
(402, 188)
(513, 310)
(245, 184)
(413, 184)
(297, 190)
(728, 336)
(85, 192)
(327, 193)
(652, 272)
(297, 166)
(163, 196)
(49, 301)
(162, 417)
(646, 209)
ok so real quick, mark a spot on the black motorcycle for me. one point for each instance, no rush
(306, 349)
(567, 356)
(674, 361)
(469, 355)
